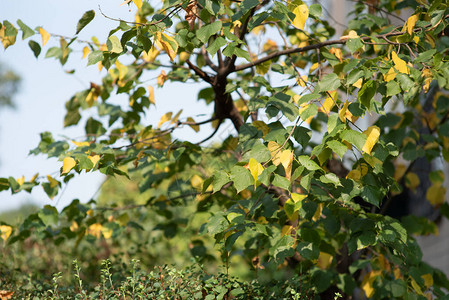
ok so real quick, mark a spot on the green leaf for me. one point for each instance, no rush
(329, 82)
(241, 177)
(53, 52)
(94, 57)
(114, 44)
(356, 138)
(367, 93)
(259, 152)
(393, 88)
(309, 164)
(302, 135)
(354, 44)
(85, 19)
(205, 32)
(4, 184)
(35, 47)
(49, 215)
(281, 181)
(216, 45)
(337, 147)
(242, 53)
(310, 111)
(355, 75)
(26, 31)
(315, 10)
(220, 179)
(330, 178)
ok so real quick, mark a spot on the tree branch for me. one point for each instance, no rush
(307, 48)
(199, 72)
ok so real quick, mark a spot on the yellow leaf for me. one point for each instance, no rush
(5, 231)
(287, 161)
(86, 51)
(255, 168)
(138, 3)
(314, 67)
(94, 159)
(151, 94)
(21, 180)
(193, 125)
(337, 52)
(34, 177)
(99, 66)
(397, 273)
(302, 80)
(412, 181)
(275, 152)
(372, 136)
(427, 74)
(161, 78)
(354, 175)
(81, 144)
(269, 45)
(176, 117)
(428, 280)
(301, 13)
(318, 212)
(435, 194)
(416, 286)
(399, 64)
(167, 43)
(383, 262)
(344, 113)
(262, 126)
(45, 36)
(91, 97)
(67, 164)
(53, 182)
(125, 2)
(358, 83)
(151, 55)
(367, 282)
(324, 260)
(122, 70)
(166, 117)
(107, 232)
(6, 40)
(351, 35)
(411, 23)
(286, 230)
(74, 227)
(390, 75)
(329, 103)
(197, 182)
(95, 230)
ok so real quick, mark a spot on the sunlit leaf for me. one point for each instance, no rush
(5, 232)
(287, 161)
(255, 168)
(151, 94)
(411, 23)
(372, 136)
(45, 36)
(301, 13)
(399, 64)
(165, 118)
(68, 164)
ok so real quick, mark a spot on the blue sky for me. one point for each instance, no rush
(46, 87)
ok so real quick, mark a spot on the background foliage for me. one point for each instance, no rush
(337, 141)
